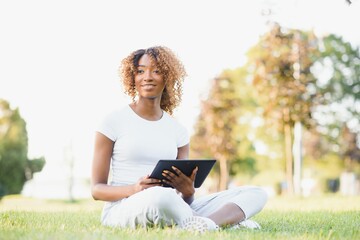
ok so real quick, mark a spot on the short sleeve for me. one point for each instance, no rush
(106, 127)
(183, 136)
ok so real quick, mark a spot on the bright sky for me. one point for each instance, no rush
(59, 59)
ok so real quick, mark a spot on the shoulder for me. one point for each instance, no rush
(172, 120)
(117, 114)
(113, 123)
(114, 117)
(174, 123)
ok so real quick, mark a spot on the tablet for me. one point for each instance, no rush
(186, 167)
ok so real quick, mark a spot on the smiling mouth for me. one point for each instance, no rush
(148, 86)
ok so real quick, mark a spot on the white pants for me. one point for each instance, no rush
(164, 207)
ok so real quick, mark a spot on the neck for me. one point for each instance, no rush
(149, 110)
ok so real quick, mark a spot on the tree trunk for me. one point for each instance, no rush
(289, 159)
(288, 152)
(224, 173)
(297, 154)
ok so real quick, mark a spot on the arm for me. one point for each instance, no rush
(187, 190)
(183, 152)
(100, 190)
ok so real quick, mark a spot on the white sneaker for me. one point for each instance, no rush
(199, 224)
(249, 224)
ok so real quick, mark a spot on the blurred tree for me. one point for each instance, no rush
(298, 78)
(215, 131)
(351, 151)
(15, 167)
(338, 117)
(281, 68)
(247, 161)
(258, 156)
(339, 72)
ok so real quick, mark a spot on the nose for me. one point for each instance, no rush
(148, 76)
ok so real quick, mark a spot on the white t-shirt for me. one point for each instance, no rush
(139, 143)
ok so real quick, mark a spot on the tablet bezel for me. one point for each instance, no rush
(186, 166)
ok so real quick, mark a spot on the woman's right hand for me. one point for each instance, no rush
(146, 182)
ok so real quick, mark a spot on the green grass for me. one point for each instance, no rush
(327, 217)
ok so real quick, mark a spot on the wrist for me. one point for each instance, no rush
(134, 189)
(188, 194)
(188, 198)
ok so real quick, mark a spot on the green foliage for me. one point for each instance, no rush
(330, 217)
(35, 165)
(343, 60)
(291, 76)
(280, 65)
(338, 70)
(14, 163)
(216, 129)
(299, 77)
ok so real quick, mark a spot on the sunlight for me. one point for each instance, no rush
(60, 62)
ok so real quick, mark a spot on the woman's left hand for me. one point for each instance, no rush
(180, 181)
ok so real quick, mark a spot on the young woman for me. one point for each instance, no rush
(129, 143)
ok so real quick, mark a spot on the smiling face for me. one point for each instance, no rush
(149, 82)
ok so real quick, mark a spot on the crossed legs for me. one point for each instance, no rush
(231, 206)
(161, 206)
(228, 214)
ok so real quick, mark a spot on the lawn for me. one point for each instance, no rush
(323, 217)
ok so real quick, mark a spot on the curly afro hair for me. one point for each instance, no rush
(169, 65)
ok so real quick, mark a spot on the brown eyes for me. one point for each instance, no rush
(140, 71)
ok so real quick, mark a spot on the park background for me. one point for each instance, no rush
(59, 63)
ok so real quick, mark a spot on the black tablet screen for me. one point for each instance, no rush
(186, 167)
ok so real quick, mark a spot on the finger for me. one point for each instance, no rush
(169, 175)
(177, 171)
(170, 178)
(167, 182)
(194, 172)
(154, 180)
(151, 181)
